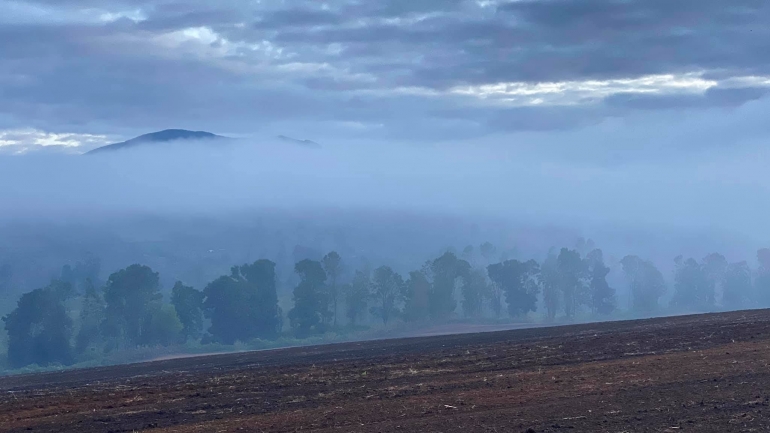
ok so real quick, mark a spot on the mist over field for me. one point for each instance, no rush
(719, 190)
(357, 169)
(193, 209)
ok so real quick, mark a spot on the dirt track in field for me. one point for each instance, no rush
(707, 373)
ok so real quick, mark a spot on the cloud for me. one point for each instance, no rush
(26, 140)
(714, 96)
(125, 67)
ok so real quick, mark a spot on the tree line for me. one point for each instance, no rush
(77, 315)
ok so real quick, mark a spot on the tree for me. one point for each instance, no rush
(518, 280)
(130, 295)
(736, 285)
(495, 295)
(714, 267)
(468, 253)
(445, 271)
(387, 293)
(161, 327)
(488, 252)
(692, 287)
(244, 304)
(602, 295)
(474, 289)
(762, 282)
(584, 246)
(332, 264)
(91, 318)
(261, 279)
(228, 304)
(82, 272)
(188, 304)
(646, 283)
(551, 283)
(357, 297)
(572, 275)
(418, 289)
(310, 306)
(39, 330)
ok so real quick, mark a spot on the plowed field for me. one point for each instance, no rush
(708, 373)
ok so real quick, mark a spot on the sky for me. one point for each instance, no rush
(84, 72)
(658, 106)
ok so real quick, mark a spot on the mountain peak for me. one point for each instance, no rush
(165, 136)
(306, 143)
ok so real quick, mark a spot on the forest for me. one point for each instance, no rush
(79, 318)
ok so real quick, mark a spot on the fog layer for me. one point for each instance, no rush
(718, 190)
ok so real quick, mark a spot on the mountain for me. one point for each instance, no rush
(166, 136)
(306, 143)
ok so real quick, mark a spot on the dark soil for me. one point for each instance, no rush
(708, 373)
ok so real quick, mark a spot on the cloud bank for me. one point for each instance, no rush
(427, 70)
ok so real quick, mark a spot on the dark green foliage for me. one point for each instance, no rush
(227, 304)
(551, 284)
(161, 327)
(693, 289)
(310, 305)
(646, 283)
(130, 295)
(518, 281)
(90, 320)
(188, 304)
(39, 330)
(475, 287)
(244, 304)
(357, 295)
(418, 289)
(261, 277)
(388, 293)
(332, 264)
(736, 285)
(445, 271)
(572, 280)
(602, 295)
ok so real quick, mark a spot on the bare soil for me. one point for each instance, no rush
(707, 373)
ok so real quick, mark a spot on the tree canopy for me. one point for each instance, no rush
(39, 329)
(244, 304)
(310, 303)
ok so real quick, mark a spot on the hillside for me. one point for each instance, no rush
(160, 137)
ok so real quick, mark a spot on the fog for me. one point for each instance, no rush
(395, 203)
(192, 210)
(720, 191)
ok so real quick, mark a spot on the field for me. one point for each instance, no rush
(708, 373)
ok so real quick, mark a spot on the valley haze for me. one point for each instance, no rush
(179, 176)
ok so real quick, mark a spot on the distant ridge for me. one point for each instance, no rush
(165, 136)
(306, 143)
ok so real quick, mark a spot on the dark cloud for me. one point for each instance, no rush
(297, 18)
(622, 37)
(714, 97)
(121, 65)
